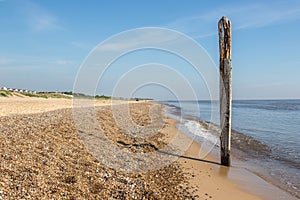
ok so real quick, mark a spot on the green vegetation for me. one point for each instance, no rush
(18, 95)
(102, 97)
(84, 96)
(68, 93)
(52, 95)
(4, 93)
(65, 95)
(46, 95)
(31, 95)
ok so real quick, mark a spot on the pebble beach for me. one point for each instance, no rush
(44, 156)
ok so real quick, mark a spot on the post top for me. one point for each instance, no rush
(224, 19)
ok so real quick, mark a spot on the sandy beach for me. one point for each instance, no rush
(41, 155)
(208, 176)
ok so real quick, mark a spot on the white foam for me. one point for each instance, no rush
(198, 130)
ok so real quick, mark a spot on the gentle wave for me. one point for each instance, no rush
(276, 167)
(209, 132)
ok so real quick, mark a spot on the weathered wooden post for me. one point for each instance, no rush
(224, 27)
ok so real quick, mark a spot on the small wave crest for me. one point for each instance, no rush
(199, 130)
(207, 134)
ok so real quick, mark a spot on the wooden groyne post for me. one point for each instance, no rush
(224, 28)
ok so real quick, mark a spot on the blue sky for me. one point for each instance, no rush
(43, 43)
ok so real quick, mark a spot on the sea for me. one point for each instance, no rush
(265, 135)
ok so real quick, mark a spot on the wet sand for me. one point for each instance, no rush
(218, 182)
(208, 176)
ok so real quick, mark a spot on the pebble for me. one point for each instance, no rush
(42, 157)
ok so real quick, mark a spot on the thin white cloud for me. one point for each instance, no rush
(243, 16)
(265, 15)
(143, 38)
(43, 22)
(37, 18)
(62, 62)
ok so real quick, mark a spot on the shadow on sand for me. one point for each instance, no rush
(187, 157)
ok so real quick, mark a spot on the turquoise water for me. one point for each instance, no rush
(270, 132)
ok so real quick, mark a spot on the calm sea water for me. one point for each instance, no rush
(267, 134)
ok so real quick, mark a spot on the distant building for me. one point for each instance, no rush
(18, 90)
